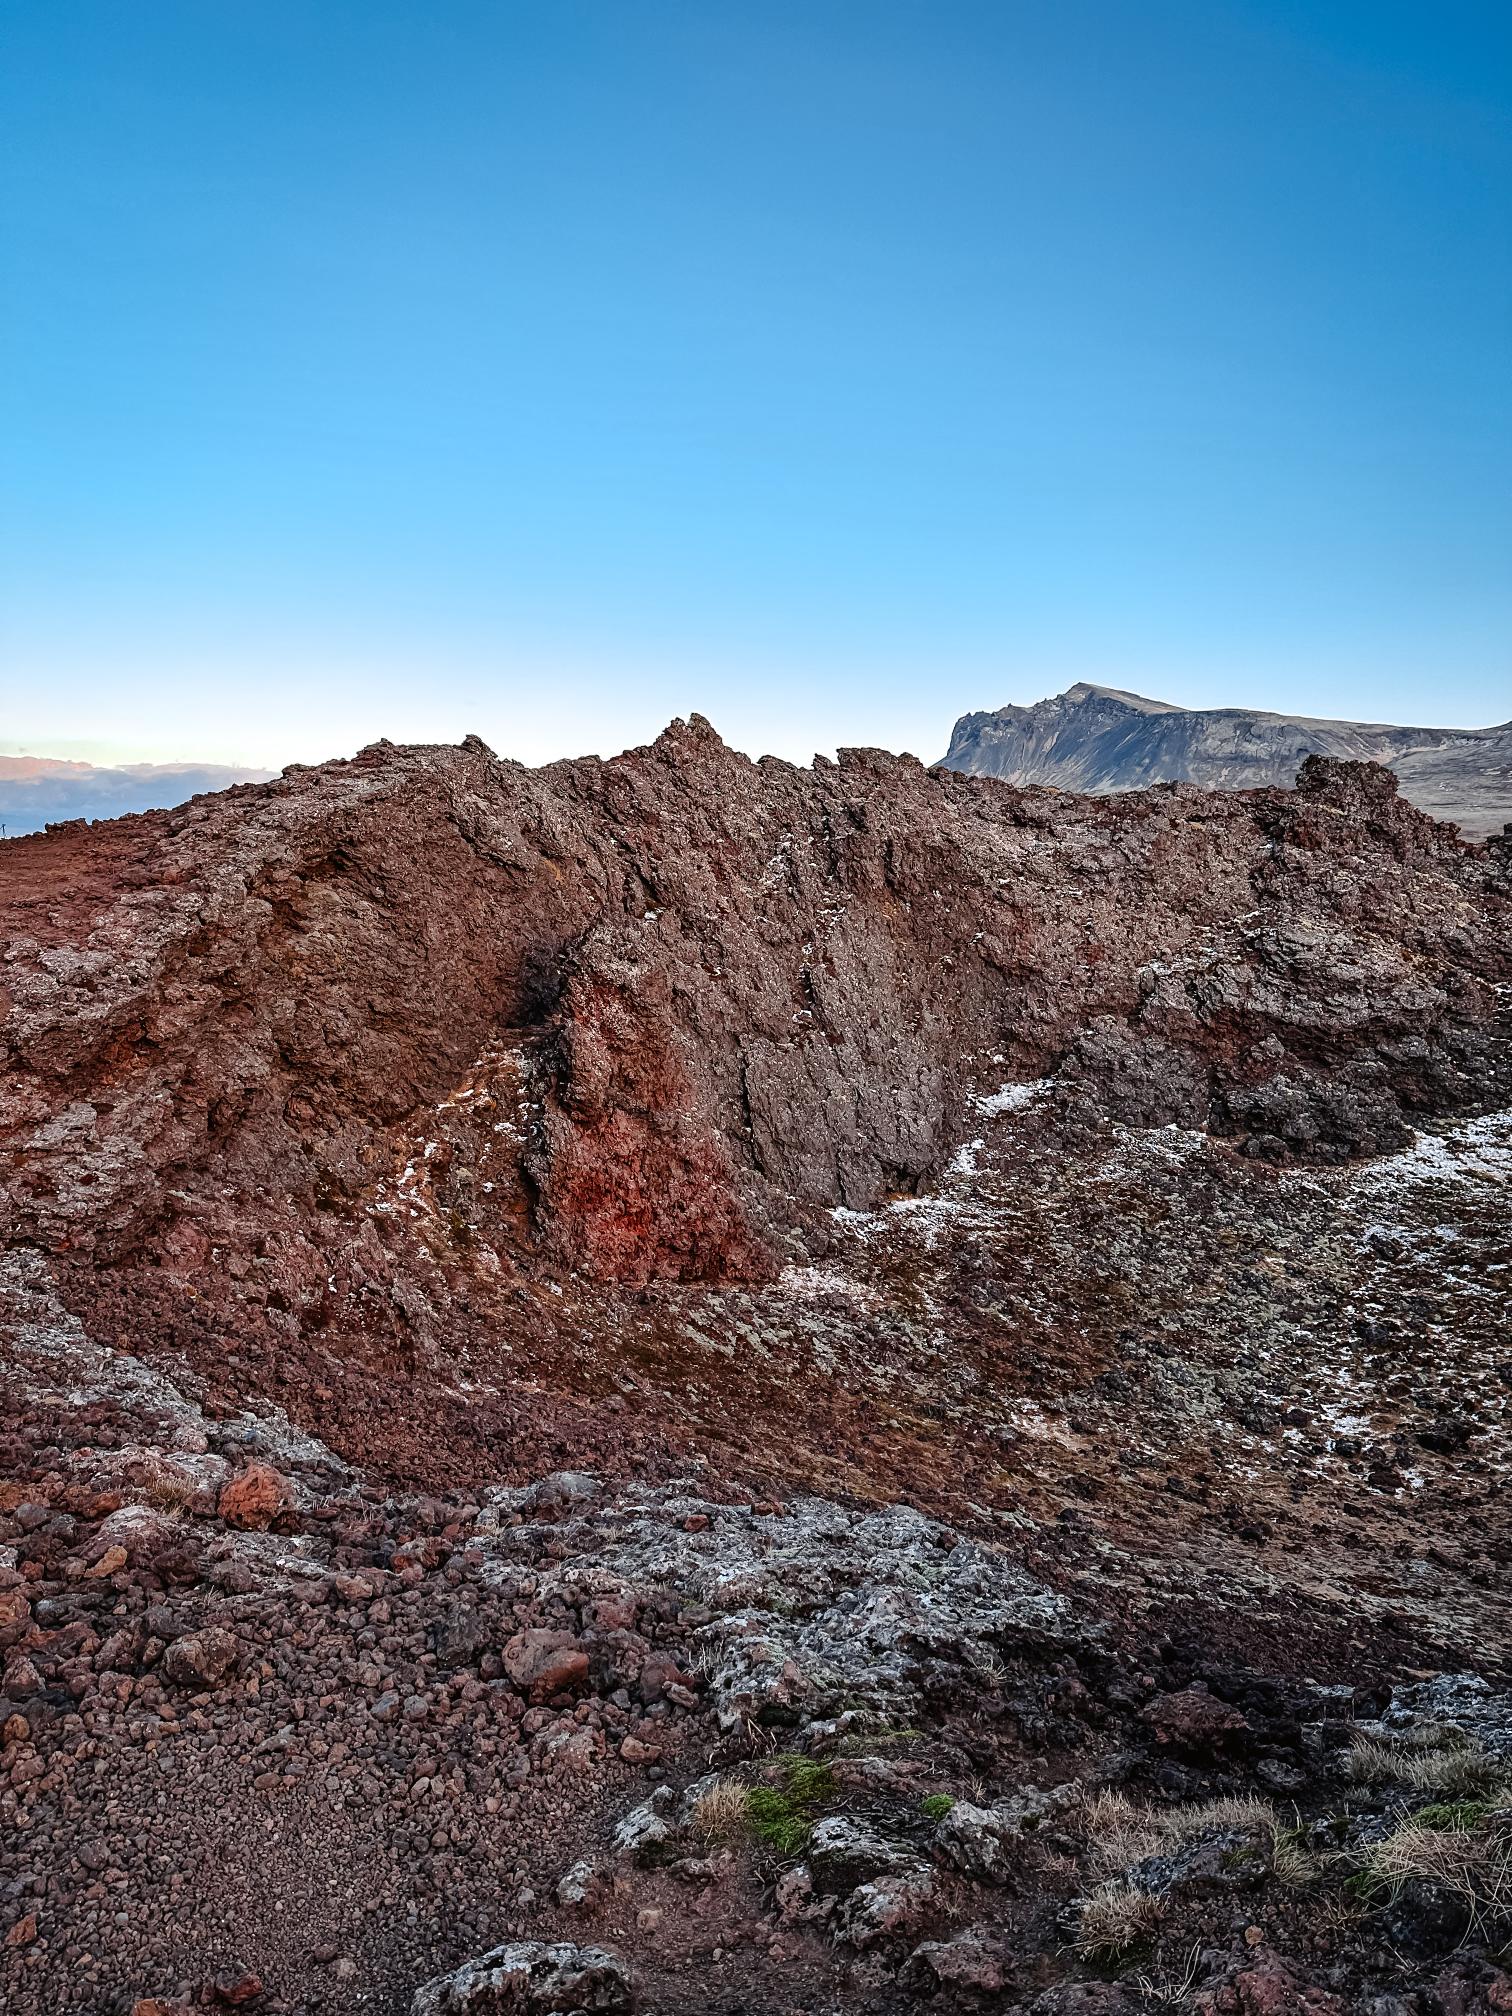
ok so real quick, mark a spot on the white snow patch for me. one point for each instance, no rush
(1473, 1153)
(1011, 1098)
(823, 1284)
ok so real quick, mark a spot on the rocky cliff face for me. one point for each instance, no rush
(1094, 738)
(729, 995)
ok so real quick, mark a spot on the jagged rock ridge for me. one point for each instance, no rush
(1095, 738)
(726, 995)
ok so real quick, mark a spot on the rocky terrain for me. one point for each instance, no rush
(687, 1385)
(1095, 738)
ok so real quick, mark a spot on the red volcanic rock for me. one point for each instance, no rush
(641, 1180)
(657, 1674)
(1274, 1990)
(15, 1616)
(202, 1658)
(359, 1052)
(542, 1663)
(21, 1677)
(234, 1991)
(1194, 1720)
(254, 1498)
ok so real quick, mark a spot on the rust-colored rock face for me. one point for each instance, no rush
(253, 1499)
(723, 995)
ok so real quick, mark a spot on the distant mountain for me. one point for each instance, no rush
(1094, 738)
(37, 789)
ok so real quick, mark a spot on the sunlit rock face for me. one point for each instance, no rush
(1095, 738)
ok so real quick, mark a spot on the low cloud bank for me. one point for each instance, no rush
(37, 789)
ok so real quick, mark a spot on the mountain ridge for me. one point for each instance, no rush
(1102, 738)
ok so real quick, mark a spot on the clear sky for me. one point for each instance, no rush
(546, 368)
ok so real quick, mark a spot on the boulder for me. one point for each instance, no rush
(530, 1974)
(202, 1658)
(579, 1887)
(980, 1840)
(648, 1831)
(542, 1663)
(1087, 1998)
(969, 1961)
(893, 1904)
(1194, 1721)
(1461, 1701)
(844, 1853)
(1221, 1859)
(562, 1491)
(254, 1497)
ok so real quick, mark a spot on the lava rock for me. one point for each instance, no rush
(1195, 1721)
(970, 1961)
(529, 1974)
(844, 1853)
(542, 1663)
(202, 1658)
(254, 1497)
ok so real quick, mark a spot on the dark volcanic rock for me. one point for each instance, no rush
(528, 1975)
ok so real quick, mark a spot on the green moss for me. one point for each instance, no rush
(776, 1822)
(872, 1740)
(808, 1782)
(936, 1806)
(1454, 1816)
(781, 1817)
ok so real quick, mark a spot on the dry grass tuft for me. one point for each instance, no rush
(720, 1814)
(1290, 1862)
(167, 1489)
(1465, 1851)
(1170, 1986)
(1183, 1822)
(1440, 1760)
(1119, 1833)
(1116, 1917)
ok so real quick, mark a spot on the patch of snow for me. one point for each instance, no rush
(1474, 1151)
(814, 1284)
(1011, 1098)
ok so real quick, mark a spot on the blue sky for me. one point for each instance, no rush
(545, 370)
